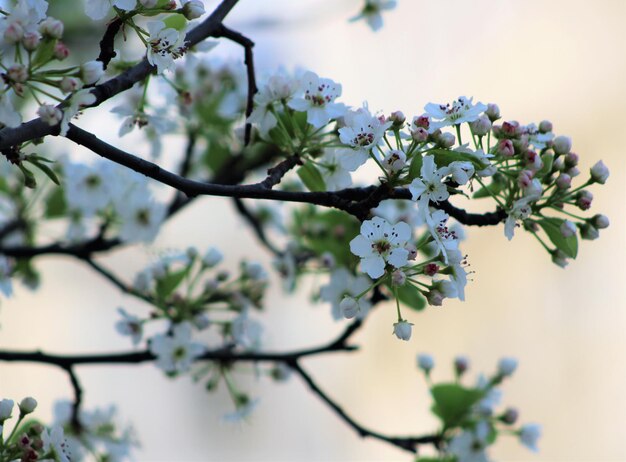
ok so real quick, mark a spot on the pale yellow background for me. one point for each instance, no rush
(559, 60)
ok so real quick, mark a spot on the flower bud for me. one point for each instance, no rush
(6, 406)
(481, 126)
(61, 51)
(425, 362)
(412, 251)
(431, 269)
(561, 144)
(70, 84)
(328, 260)
(545, 126)
(446, 140)
(533, 160)
(558, 165)
(529, 435)
(349, 307)
(584, 199)
(398, 278)
(568, 228)
(212, 257)
(395, 160)
(461, 364)
(573, 172)
(397, 118)
(505, 148)
(27, 405)
(51, 27)
(403, 330)
(493, 112)
(524, 178)
(570, 160)
(17, 73)
(422, 122)
(419, 135)
(563, 181)
(533, 190)
(588, 232)
(600, 221)
(434, 297)
(506, 366)
(50, 114)
(193, 9)
(599, 172)
(510, 129)
(31, 41)
(14, 32)
(510, 416)
(91, 72)
(559, 258)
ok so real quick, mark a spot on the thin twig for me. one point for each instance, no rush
(107, 44)
(247, 45)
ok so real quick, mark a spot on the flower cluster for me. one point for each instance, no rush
(468, 414)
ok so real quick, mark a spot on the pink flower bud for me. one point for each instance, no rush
(18, 73)
(510, 416)
(419, 135)
(50, 114)
(434, 297)
(70, 84)
(571, 160)
(422, 121)
(510, 129)
(493, 112)
(558, 165)
(31, 41)
(397, 118)
(545, 126)
(584, 199)
(533, 160)
(461, 364)
(505, 148)
(446, 140)
(51, 27)
(563, 181)
(398, 278)
(524, 178)
(573, 172)
(14, 32)
(481, 126)
(431, 269)
(61, 51)
(562, 144)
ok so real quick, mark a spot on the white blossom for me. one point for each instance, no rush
(98, 9)
(362, 132)
(529, 435)
(130, 325)
(343, 283)
(165, 45)
(141, 219)
(461, 110)
(335, 175)
(55, 441)
(380, 243)
(176, 352)
(520, 211)
(403, 330)
(318, 100)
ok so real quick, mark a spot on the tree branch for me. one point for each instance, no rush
(107, 44)
(247, 45)
(409, 443)
(37, 128)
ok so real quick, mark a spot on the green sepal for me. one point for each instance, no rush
(44, 53)
(170, 282)
(552, 227)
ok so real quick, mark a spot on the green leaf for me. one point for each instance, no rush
(444, 157)
(453, 402)
(311, 177)
(216, 155)
(29, 178)
(44, 168)
(168, 284)
(415, 169)
(498, 183)
(175, 21)
(552, 227)
(56, 206)
(410, 296)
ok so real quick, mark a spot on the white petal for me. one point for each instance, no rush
(398, 257)
(361, 246)
(373, 266)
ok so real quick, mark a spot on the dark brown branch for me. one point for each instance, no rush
(276, 174)
(247, 45)
(37, 128)
(408, 443)
(107, 44)
(78, 399)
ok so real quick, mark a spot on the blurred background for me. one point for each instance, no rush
(562, 60)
